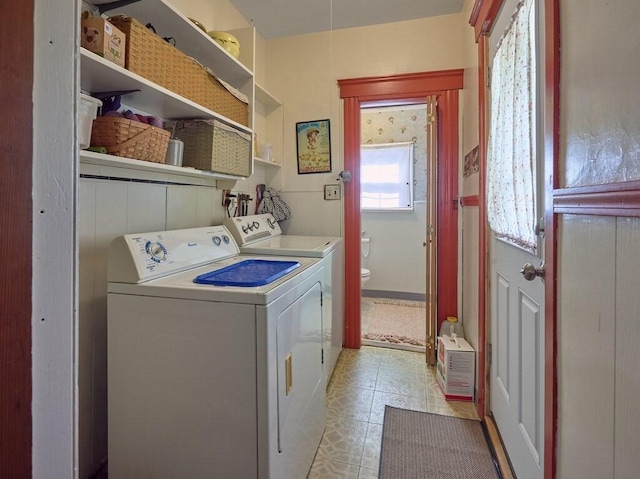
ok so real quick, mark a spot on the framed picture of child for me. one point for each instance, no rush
(313, 140)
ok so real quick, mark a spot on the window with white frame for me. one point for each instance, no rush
(386, 176)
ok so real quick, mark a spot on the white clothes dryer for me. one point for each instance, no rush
(261, 234)
(220, 379)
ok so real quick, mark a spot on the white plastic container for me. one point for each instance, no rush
(87, 112)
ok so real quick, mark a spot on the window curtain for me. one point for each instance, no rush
(386, 175)
(511, 183)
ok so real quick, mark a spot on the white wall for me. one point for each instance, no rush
(397, 259)
(598, 303)
(302, 71)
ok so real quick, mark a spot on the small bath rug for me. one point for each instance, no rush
(419, 445)
(394, 321)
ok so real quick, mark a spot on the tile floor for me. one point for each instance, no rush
(364, 381)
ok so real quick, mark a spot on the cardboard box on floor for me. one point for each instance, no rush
(456, 370)
(102, 38)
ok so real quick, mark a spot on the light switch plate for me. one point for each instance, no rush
(331, 192)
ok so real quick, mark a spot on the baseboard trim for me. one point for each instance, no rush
(375, 293)
(497, 448)
(400, 346)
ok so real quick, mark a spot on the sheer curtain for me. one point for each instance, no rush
(386, 176)
(511, 183)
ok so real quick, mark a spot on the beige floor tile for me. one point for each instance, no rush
(462, 409)
(364, 381)
(366, 473)
(360, 376)
(396, 381)
(372, 443)
(349, 403)
(327, 469)
(402, 358)
(343, 441)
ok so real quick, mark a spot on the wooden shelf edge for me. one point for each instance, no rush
(100, 159)
(266, 163)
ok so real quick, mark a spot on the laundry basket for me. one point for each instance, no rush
(130, 138)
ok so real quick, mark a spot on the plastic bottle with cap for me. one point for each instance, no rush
(452, 328)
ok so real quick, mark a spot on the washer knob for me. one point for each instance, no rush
(157, 251)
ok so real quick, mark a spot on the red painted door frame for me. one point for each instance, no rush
(16, 185)
(402, 89)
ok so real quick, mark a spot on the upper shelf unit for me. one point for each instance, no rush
(169, 22)
(265, 98)
(100, 75)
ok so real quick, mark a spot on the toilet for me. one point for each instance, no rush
(365, 274)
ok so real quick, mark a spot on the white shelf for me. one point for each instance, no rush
(267, 99)
(169, 22)
(98, 164)
(266, 162)
(100, 75)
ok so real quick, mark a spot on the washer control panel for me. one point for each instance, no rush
(249, 229)
(136, 258)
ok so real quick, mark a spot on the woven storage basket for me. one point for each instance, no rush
(130, 139)
(158, 61)
(215, 146)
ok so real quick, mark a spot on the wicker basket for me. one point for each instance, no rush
(153, 58)
(215, 146)
(130, 139)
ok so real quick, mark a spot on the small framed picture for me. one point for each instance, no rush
(313, 140)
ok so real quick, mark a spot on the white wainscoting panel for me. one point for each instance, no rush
(627, 333)
(146, 209)
(586, 347)
(182, 210)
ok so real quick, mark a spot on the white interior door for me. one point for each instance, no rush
(517, 364)
(517, 299)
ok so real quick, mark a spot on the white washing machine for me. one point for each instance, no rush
(220, 380)
(262, 235)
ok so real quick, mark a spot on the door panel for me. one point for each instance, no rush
(501, 330)
(517, 391)
(530, 374)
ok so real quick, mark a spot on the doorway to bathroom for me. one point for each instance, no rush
(393, 194)
(443, 86)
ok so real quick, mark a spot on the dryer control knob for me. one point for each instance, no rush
(157, 251)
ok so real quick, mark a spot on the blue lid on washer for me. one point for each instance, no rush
(250, 272)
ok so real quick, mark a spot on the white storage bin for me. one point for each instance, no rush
(87, 112)
(456, 372)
